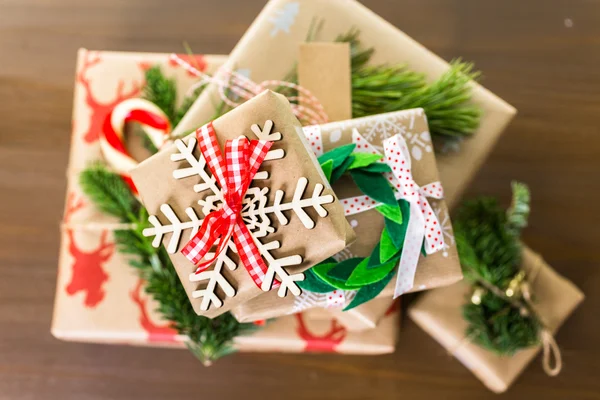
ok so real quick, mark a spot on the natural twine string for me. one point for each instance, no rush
(310, 110)
(549, 346)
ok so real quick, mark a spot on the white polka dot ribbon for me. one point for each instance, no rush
(423, 224)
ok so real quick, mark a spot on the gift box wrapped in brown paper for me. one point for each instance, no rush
(434, 270)
(439, 313)
(292, 177)
(269, 50)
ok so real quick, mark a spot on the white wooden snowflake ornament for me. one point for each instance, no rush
(256, 214)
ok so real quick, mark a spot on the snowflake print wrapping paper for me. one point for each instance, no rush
(179, 191)
(435, 270)
(269, 50)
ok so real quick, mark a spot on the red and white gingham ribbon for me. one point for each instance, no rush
(423, 224)
(112, 143)
(234, 172)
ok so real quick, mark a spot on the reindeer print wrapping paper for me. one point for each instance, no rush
(99, 298)
(94, 280)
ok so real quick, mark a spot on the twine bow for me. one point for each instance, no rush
(423, 224)
(234, 173)
(518, 294)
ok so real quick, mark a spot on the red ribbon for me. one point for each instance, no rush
(233, 173)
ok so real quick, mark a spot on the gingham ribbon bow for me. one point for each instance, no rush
(423, 223)
(233, 173)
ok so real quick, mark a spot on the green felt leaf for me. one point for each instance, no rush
(312, 283)
(374, 185)
(338, 155)
(374, 257)
(344, 269)
(387, 247)
(369, 292)
(339, 171)
(322, 268)
(365, 275)
(377, 168)
(391, 212)
(327, 168)
(337, 274)
(362, 160)
(396, 231)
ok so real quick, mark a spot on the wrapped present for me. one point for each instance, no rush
(99, 297)
(89, 265)
(511, 303)
(440, 268)
(284, 24)
(247, 222)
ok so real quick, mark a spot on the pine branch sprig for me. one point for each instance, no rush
(161, 91)
(208, 339)
(489, 248)
(109, 192)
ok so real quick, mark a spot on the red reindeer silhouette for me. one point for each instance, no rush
(88, 274)
(100, 110)
(156, 333)
(325, 343)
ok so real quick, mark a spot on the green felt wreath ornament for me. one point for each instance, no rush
(367, 275)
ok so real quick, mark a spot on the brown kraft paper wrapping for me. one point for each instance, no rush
(331, 234)
(439, 313)
(435, 270)
(283, 25)
(324, 70)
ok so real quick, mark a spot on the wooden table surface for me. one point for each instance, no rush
(542, 56)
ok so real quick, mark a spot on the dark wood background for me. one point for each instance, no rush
(542, 56)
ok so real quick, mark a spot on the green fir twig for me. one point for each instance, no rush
(208, 339)
(489, 247)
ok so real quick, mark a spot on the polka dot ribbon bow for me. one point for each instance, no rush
(423, 225)
(234, 172)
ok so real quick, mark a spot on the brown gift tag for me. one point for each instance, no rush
(155, 182)
(439, 313)
(283, 24)
(324, 70)
(435, 270)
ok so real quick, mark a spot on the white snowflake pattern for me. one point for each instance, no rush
(446, 225)
(378, 129)
(284, 18)
(334, 299)
(255, 213)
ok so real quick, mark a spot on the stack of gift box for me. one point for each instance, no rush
(277, 206)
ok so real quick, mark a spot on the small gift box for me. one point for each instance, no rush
(439, 313)
(511, 302)
(274, 228)
(283, 25)
(89, 266)
(368, 134)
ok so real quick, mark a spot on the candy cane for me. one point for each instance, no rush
(112, 138)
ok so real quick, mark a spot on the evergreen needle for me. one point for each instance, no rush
(208, 339)
(489, 248)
